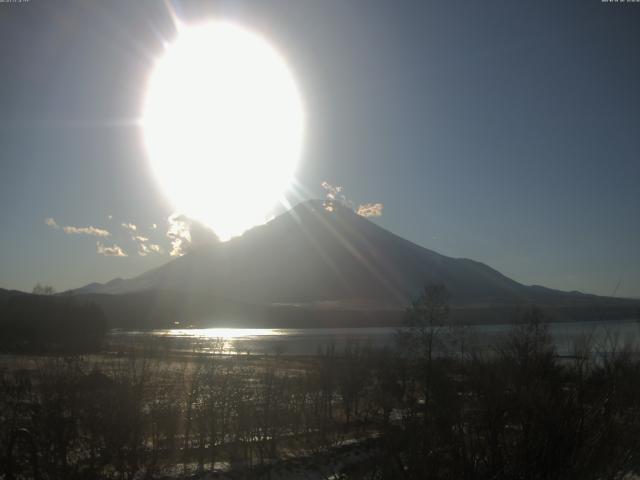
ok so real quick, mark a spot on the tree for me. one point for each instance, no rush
(428, 386)
(423, 322)
(40, 289)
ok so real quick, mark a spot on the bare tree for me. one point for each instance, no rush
(40, 289)
(424, 321)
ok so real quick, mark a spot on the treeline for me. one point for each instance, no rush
(434, 407)
(518, 411)
(48, 323)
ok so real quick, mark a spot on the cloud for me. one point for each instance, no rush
(154, 247)
(186, 234)
(113, 251)
(154, 226)
(178, 234)
(51, 222)
(332, 191)
(370, 210)
(90, 230)
(129, 226)
(335, 196)
(145, 249)
(144, 245)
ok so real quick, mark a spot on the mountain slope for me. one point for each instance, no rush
(309, 254)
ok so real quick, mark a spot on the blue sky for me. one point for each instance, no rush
(502, 131)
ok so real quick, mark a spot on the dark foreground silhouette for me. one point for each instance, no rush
(47, 323)
(431, 408)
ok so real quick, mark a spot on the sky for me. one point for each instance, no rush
(506, 132)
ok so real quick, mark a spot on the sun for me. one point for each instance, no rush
(223, 126)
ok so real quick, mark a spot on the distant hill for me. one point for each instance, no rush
(39, 323)
(308, 265)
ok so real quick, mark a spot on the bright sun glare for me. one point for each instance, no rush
(223, 126)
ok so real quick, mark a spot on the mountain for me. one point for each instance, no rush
(310, 259)
(310, 254)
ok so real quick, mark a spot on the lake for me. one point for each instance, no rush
(310, 341)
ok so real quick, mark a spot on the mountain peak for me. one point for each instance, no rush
(316, 254)
(311, 257)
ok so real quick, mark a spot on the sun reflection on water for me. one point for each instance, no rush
(222, 333)
(219, 340)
